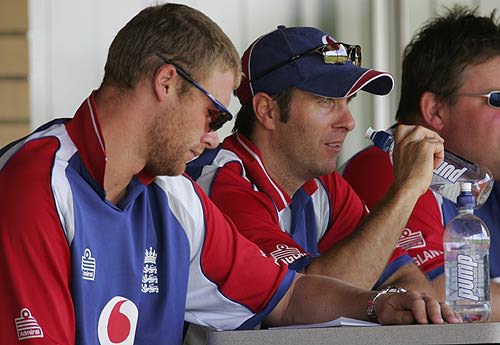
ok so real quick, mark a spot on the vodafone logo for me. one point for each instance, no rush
(117, 322)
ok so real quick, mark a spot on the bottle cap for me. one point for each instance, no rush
(465, 198)
(465, 186)
(369, 133)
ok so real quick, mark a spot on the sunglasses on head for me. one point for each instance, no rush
(493, 97)
(219, 116)
(333, 53)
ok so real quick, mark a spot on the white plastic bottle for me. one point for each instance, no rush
(449, 174)
(466, 242)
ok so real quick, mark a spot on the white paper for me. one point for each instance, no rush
(341, 321)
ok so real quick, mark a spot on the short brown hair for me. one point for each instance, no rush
(180, 33)
(437, 56)
(245, 119)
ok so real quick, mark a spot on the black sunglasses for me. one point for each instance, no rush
(333, 53)
(222, 115)
(493, 97)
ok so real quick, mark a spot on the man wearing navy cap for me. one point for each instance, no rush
(274, 177)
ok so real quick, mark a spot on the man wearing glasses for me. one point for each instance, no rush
(104, 241)
(451, 84)
(274, 177)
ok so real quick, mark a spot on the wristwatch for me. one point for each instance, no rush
(370, 310)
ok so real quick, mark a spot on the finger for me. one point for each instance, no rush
(433, 310)
(430, 134)
(417, 303)
(399, 309)
(449, 315)
(438, 149)
(426, 134)
(426, 147)
(416, 133)
(402, 131)
(419, 308)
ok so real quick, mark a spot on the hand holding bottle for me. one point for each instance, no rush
(449, 173)
(418, 151)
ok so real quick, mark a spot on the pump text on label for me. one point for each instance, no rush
(467, 270)
(449, 172)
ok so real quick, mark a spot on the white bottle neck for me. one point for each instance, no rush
(466, 210)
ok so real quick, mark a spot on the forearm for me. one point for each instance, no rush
(313, 299)
(411, 278)
(495, 302)
(301, 304)
(372, 243)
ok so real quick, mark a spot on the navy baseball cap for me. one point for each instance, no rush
(296, 57)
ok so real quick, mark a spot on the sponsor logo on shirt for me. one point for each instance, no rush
(27, 326)
(150, 273)
(118, 322)
(88, 265)
(286, 254)
(411, 239)
(426, 255)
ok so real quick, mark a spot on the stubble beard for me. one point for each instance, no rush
(165, 155)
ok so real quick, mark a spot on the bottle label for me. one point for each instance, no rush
(466, 271)
(449, 172)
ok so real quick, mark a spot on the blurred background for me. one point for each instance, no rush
(52, 52)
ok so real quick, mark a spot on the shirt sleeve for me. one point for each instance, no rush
(35, 299)
(232, 284)
(253, 212)
(346, 210)
(370, 173)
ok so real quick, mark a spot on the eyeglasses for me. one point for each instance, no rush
(222, 115)
(333, 53)
(493, 97)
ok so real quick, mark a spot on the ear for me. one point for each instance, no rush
(431, 110)
(164, 81)
(265, 109)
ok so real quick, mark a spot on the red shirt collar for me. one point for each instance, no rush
(85, 131)
(256, 171)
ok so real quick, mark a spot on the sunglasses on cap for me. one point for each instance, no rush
(493, 97)
(333, 53)
(219, 116)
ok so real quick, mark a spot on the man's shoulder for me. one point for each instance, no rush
(369, 172)
(366, 161)
(32, 184)
(212, 159)
(332, 183)
(33, 160)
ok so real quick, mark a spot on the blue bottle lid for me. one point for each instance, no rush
(381, 139)
(465, 198)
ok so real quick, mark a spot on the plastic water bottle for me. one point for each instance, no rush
(449, 174)
(466, 243)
